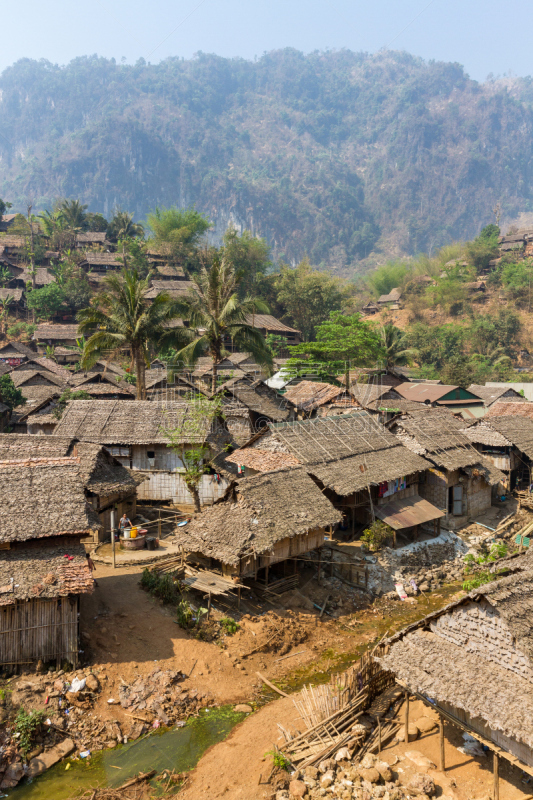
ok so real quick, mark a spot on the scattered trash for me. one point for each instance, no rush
(67, 767)
(85, 754)
(400, 591)
(112, 701)
(77, 685)
(156, 724)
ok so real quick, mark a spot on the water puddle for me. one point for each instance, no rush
(178, 750)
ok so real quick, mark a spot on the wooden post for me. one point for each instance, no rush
(113, 536)
(159, 526)
(319, 561)
(379, 735)
(442, 764)
(239, 598)
(266, 576)
(496, 771)
(208, 606)
(406, 729)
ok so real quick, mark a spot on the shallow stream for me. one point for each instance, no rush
(177, 750)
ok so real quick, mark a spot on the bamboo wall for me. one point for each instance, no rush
(39, 629)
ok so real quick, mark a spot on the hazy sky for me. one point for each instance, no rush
(484, 35)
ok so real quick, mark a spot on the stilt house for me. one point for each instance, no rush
(261, 522)
(460, 480)
(508, 443)
(472, 661)
(362, 468)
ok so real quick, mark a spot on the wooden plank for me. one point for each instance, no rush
(271, 685)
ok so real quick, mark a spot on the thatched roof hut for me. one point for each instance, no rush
(308, 396)
(487, 637)
(256, 516)
(112, 422)
(258, 398)
(491, 394)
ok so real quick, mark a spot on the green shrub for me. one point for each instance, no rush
(375, 536)
(26, 726)
(229, 625)
(279, 760)
(482, 576)
(184, 614)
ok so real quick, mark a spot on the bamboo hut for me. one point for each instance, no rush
(134, 433)
(486, 636)
(262, 521)
(43, 569)
(106, 483)
(460, 479)
(507, 442)
(362, 468)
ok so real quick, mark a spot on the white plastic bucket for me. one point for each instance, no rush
(127, 533)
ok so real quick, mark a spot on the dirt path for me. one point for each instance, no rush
(232, 768)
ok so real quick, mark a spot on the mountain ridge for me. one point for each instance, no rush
(346, 157)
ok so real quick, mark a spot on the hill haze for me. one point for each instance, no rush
(343, 156)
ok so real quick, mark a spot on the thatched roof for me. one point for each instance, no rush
(504, 431)
(101, 383)
(490, 394)
(91, 237)
(258, 397)
(48, 330)
(42, 362)
(326, 439)
(309, 395)
(43, 497)
(173, 288)
(42, 277)
(16, 294)
(355, 473)
(168, 271)
(259, 512)
(269, 323)
(103, 259)
(15, 347)
(21, 377)
(99, 472)
(36, 397)
(498, 693)
(510, 408)
(437, 435)
(116, 422)
(40, 570)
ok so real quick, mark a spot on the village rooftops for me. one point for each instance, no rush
(488, 638)
(346, 453)
(490, 394)
(55, 332)
(504, 432)
(39, 570)
(115, 422)
(91, 237)
(270, 324)
(113, 260)
(392, 297)
(310, 395)
(510, 408)
(257, 513)
(15, 294)
(172, 288)
(258, 397)
(99, 472)
(438, 393)
(14, 349)
(439, 436)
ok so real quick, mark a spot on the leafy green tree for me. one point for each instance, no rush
(342, 342)
(178, 232)
(96, 223)
(215, 312)
(47, 301)
(395, 351)
(309, 296)
(121, 317)
(195, 425)
(484, 248)
(250, 256)
(55, 228)
(5, 275)
(9, 394)
(4, 206)
(76, 293)
(122, 227)
(388, 277)
(73, 214)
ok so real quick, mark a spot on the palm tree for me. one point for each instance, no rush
(394, 351)
(215, 312)
(123, 227)
(122, 318)
(73, 214)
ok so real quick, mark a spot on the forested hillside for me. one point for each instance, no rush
(341, 156)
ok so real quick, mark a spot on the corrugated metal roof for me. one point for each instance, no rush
(419, 392)
(408, 512)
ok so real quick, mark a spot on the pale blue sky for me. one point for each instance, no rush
(484, 35)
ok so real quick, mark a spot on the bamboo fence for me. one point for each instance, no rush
(34, 630)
